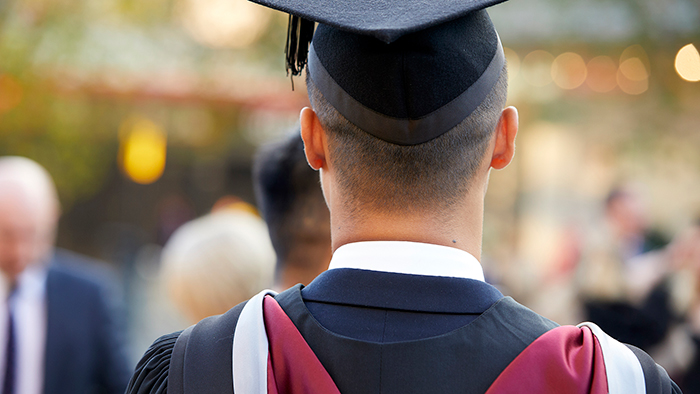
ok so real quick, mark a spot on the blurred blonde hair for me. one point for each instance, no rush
(212, 263)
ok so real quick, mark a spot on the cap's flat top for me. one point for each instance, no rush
(386, 20)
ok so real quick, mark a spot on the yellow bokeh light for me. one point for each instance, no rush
(513, 61)
(688, 63)
(632, 76)
(638, 52)
(10, 93)
(569, 70)
(602, 74)
(515, 83)
(224, 23)
(143, 146)
(633, 69)
(537, 68)
(631, 86)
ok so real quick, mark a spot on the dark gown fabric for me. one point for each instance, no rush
(351, 312)
(465, 360)
(374, 325)
(151, 375)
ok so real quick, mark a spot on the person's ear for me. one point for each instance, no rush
(504, 147)
(314, 138)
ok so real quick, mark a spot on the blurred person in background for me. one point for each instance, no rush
(671, 305)
(619, 272)
(626, 216)
(214, 262)
(609, 267)
(60, 329)
(291, 201)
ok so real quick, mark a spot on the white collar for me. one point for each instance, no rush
(30, 282)
(404, 257)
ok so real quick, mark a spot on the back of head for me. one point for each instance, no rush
(408, 93)
(217, 261)
(291, 201)
(409, 116)
(389, 177)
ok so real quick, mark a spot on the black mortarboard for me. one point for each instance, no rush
(404, 71)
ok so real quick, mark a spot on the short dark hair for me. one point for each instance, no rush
(435, 174)
(289, 196)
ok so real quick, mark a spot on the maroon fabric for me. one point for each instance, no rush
(566, 359)
(292, 367)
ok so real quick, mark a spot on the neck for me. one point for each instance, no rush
(461, 228)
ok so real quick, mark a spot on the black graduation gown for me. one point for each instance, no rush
(374, 332)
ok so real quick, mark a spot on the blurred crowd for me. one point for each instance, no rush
(635, 283)
(63, 322)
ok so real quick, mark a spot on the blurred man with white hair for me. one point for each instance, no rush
(58, 328)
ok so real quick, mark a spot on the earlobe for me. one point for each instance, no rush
(506, 130)
(313, 135)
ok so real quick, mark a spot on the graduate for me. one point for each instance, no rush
(407, 120)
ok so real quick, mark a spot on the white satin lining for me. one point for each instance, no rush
(624, 372)
(250, 348)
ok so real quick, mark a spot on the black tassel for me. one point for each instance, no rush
(299, 34)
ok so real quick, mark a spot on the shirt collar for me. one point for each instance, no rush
(33, 279)
(404, 257)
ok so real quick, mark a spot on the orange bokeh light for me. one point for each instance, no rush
(569, 70)
(602, 74)
(632, 77)
(10, 93)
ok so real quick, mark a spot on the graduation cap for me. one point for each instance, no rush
(405, 71)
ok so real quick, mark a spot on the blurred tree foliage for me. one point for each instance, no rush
(73, 133)
(47, 46)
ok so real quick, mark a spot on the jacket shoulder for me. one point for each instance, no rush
(73, 269)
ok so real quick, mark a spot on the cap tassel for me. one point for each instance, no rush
(299, 34)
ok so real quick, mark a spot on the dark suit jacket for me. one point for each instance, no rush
(85, 345)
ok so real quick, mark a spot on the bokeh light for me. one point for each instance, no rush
(224, 23)
(638, 52)
(569, 70)
(632, 76)
(515, 83)
(634, 69)
(142, 149)
(10, 93)
(688, 63)
(602, 74)
(631, 86)
(537, 68)
(513, 61)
